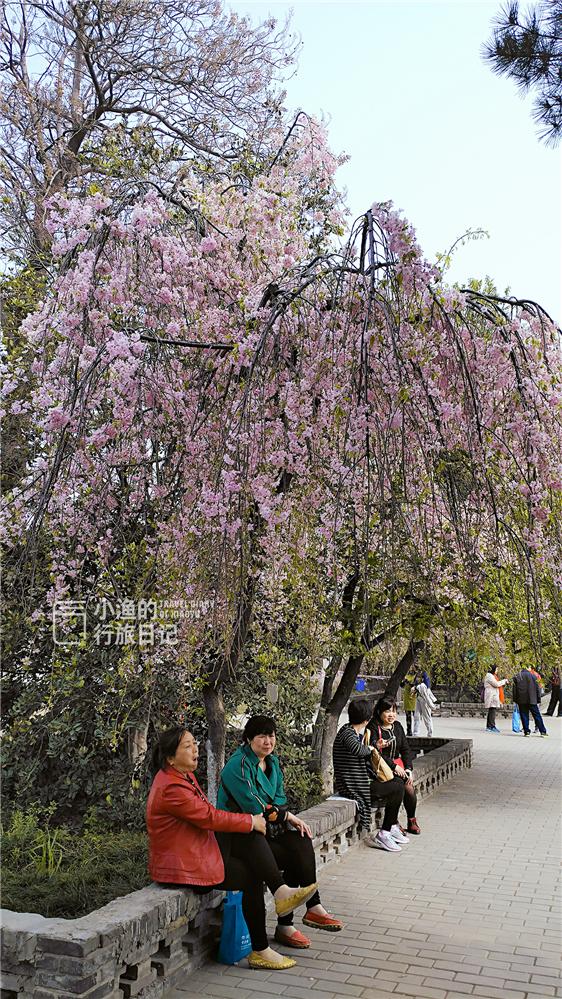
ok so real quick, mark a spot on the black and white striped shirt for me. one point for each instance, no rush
(352, 774)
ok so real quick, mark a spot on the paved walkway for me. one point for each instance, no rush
(472, 907)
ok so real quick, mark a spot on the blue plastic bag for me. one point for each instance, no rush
(235, 938)
(516, 719)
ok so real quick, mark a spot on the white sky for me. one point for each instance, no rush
(430, 127)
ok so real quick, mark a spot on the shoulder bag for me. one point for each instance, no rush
(380, 767)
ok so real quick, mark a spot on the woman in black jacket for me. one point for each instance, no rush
(391, 742)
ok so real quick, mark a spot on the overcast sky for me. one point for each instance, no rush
(430, 127)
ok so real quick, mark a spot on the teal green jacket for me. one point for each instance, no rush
(244, 787)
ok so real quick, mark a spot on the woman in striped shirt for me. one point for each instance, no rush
(354, 778)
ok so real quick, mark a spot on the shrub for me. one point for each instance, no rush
(55, 872)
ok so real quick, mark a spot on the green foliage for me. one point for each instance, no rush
(65, 742)
(55, 872)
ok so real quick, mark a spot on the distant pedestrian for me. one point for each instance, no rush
(493, 689)
(541, 691)
(425, 702)
(425, 678)
(555, 698)
(409, 686)
(526, 694)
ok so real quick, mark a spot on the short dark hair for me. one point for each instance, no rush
(168, 742)
(258, 725)
(383, 704)
(359, 710)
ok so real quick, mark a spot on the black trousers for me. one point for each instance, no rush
(409, 717)
(391, 792)
(295, 856)
(491, 719)
(290, 852)
(555, 699)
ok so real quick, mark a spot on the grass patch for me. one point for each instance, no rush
(57, 872)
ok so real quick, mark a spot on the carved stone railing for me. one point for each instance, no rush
(147, 942)
(470, 709)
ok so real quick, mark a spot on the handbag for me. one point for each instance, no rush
(235, 939)
(380, 767)
(516, 719)
(276, 820)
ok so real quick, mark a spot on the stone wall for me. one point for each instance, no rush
(148, 941)
(470, 709)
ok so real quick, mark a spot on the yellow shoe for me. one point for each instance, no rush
(284, 906)
(260, 964)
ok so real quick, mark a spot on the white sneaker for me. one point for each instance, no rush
(397, 834)
(385, 841)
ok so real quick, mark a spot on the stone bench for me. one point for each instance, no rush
(147, 942)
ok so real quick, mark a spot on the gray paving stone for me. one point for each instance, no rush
(420, 992)
(300, 993)
(378, 989)
(495, 993)
(545, 980)
(530, 990)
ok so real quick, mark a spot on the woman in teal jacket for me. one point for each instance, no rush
(252, 781)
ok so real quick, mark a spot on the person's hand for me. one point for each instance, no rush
(258, 824)
(379, 744)
(400, 772)
(299, 825)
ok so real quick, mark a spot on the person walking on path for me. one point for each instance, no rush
(425, 702)
(526, 694)
(541, 691)
(409, 684)
(555, 698)
(493, 694)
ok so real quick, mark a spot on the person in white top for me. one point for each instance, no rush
(492, 698)
(425, 703)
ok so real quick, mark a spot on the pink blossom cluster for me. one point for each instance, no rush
(393, 425)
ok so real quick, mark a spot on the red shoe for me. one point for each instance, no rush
(296, 939)
(413, 827)
(320, 922)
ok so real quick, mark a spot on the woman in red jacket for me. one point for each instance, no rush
(183, 849)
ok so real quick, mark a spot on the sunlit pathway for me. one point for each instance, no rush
(470, 907)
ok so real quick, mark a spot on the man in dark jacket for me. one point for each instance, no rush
(526, 695)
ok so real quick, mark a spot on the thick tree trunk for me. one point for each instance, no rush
(327, 721)
(403, 667)
(138, 742)
(325, 698)
(323, 761)
(328, 717)
(216, 724)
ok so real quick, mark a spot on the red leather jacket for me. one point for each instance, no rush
(180, 822)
